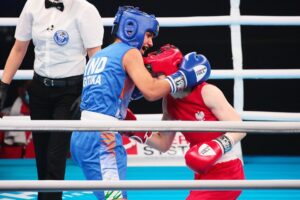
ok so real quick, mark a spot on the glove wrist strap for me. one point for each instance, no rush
(225, 142)
(177, 81)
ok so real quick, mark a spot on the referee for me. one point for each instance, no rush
(63, 33)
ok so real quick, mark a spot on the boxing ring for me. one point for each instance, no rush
(267, 177)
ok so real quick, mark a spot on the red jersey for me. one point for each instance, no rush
(192, 108)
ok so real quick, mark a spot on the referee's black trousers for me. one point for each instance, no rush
(51, 148)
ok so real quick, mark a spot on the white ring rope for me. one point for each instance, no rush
(216, 74)
(246, 115)
(187, 126)
(269, 116)
(202, 21)
(52, 186)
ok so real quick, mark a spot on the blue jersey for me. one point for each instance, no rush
(107, 88)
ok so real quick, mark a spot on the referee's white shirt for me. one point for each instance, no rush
(80, 20)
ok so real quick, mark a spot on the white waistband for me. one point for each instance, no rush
(88, 115)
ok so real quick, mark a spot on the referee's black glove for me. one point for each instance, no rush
(3, 93)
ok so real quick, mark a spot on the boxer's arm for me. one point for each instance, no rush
(159, 141)
(215, 100)
(162, 141)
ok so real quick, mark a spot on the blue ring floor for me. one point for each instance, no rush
(256, 168)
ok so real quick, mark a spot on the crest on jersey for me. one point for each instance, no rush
(61, 37)
(200, 116)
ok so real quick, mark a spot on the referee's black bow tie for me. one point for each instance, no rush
(58, 5)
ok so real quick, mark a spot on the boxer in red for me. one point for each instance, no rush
(212, 155)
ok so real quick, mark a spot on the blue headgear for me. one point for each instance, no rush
(131, 24)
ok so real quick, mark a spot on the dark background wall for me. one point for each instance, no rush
(264, 47)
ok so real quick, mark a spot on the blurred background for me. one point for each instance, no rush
(264, 47)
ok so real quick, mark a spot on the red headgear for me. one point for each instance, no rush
(164, 61)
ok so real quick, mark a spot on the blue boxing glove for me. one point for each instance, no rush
(136, 94)
(193, 69)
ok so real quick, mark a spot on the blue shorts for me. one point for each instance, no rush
(101, 156)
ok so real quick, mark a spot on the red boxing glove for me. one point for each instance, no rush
(202, 156)
(164, 61)
(140, 137)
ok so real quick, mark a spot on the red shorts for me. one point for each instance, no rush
(231, 170)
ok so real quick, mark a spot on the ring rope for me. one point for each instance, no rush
(186, 126)
(250, 20)
(245, 115)
(53, 186)
(215, 74)
(269, 116)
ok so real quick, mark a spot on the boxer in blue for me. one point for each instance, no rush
(109, 80)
